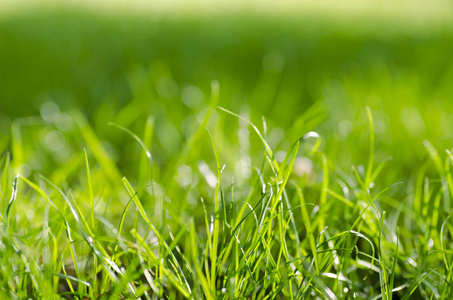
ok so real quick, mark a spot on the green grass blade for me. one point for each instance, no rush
(93, 142)
(11, 202)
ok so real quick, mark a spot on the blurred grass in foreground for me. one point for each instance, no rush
(66, 73)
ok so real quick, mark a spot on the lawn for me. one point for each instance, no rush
(226, 154)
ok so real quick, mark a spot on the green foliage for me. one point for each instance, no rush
(243, 157)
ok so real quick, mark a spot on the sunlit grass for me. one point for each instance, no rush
(256, 151)
(277, 237)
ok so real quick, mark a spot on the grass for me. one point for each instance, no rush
(278, 237)
(219, 158)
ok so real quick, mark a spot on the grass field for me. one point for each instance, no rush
(245, 153)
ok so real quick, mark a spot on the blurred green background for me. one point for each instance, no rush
(301, 72)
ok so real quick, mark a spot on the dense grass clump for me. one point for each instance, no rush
(293, 232)
(225, 156)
